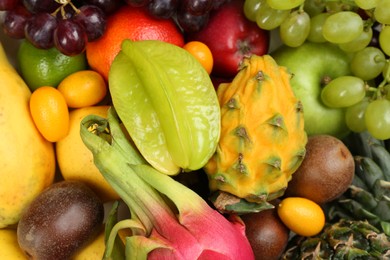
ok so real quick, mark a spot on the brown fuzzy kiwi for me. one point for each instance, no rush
(326, 171)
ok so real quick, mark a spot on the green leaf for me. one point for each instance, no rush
(117, 249)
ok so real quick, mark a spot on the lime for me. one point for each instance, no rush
(41, 67)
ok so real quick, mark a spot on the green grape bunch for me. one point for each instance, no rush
(353, 26)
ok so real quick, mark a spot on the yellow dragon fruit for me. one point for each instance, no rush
(262, 139)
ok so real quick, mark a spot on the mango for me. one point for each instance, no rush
(75, 160)
(92, 251)
(9, 247)
(27, 160)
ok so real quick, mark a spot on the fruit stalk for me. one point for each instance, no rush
(168, 220)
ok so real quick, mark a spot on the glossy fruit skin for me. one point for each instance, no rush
(40, 67)
(202, 53)
(50, 113)
(184, 104)
(129, 23)
(83, 88)
(230, 37)
(266, 233)
(60, 221)
(301, 215)
(311, 64)
(326, 171)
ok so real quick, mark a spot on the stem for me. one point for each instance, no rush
(386, 78)
(127, 223)
(116, 161)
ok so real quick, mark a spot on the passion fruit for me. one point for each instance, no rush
(60, 221)
(266, 233)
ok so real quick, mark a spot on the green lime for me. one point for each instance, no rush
(40, 67)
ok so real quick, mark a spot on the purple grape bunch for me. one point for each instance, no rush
(64, 24)
(190, 15)
(69, 25)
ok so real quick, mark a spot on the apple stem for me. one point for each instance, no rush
(325, 80)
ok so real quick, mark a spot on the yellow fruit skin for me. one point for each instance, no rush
(9, 247)
(75, 160)
(302, 216)
(262, 132)
(93, 251)
(27, 160)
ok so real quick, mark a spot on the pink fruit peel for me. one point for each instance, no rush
(168, 220)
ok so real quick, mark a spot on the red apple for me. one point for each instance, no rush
(231, 36)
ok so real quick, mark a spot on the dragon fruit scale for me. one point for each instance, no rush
(262, 139)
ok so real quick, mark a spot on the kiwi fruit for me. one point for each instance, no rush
(326, 171)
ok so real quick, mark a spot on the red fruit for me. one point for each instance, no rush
(231, 36)
(129, 23)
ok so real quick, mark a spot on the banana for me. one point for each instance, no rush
(27, 161)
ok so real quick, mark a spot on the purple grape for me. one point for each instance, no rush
(197, 7)
(65, 12)
(70, 37)
(6, 5)
(38, 6)
(163, 8)
(217, 4)
(108, 6)
(93, 20)
(39, 30)
(192, 23)
(15, 21)
(137, 3)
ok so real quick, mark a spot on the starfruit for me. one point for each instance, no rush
(167, 103)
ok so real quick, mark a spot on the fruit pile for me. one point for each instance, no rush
(359, 28)
(164, 129)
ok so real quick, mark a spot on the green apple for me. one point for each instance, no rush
(311, 65)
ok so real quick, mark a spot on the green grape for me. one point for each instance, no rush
(268, 18)
(359, 43)
(354, 116)
(343, 91)
(377, 119)
(251, 7)
(386, 72)
(366, 4)
(387, 91)
(284, 5)
(382, 11)
(314, 7)
(342, 27)
(368, 63)
(316, 24)
(384, 37)
(333, 6)
(295, 28)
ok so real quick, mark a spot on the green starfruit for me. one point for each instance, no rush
(168, 104)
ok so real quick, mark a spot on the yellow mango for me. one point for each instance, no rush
(9, 247)
(75, 160)
(92, 251)
(27, 160)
